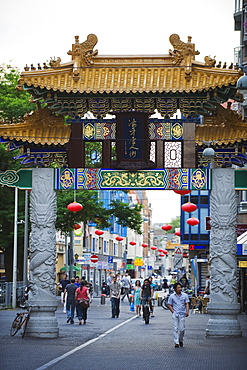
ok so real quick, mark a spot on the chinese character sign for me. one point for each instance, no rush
(133, 144)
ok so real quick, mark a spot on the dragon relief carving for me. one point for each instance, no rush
(183, 53)
(42, 238)
(83, 53)
(223, 239)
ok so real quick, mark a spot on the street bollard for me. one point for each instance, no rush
(159, 301)
(102, 300)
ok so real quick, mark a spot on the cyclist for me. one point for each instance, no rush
(153, 286)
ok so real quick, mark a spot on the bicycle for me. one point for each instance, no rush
(164, 302)
(20, 322)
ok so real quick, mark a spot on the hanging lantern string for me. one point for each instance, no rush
(74, 195)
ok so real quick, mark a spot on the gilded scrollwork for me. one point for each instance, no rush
(127, 179)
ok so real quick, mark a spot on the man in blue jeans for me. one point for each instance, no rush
(115, 291)
(70, 301)
(178, 304)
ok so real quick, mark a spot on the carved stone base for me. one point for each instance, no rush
(224, 322)
(43, 322)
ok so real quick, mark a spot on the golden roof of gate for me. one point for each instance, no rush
(43, 127)
(88, 72)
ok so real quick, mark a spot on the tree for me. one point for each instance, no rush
(7, 215)
(129, 217)
(13, 103)
(94, 211)
(175, 223)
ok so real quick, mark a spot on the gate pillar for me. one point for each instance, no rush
(42, 296)
(223, 305)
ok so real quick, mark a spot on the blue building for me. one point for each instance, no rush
(197, 236)
(107, 196)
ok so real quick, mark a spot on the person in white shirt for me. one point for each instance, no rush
(178, 304)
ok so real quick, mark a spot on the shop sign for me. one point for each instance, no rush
(242, 264)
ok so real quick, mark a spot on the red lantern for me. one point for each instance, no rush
(177, 233)
(144, 245)
(166, 227)
(76, 226)
(132, 243)
(162, 255)
(182, 192)
(189, 207)
(74, 207)
(119, 238)
(165, 252)
(193, 221)
(160, 250)
(99, 232)
(153, 248)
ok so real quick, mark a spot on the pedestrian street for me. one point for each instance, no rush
(123, 343)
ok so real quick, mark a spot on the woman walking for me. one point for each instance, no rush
(82, 295)
(137, 297)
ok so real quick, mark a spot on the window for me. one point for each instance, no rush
(93, 154)
(204, 200)
(93, 245)
(115, 249)
(105, 247)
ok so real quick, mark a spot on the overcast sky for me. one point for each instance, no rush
(33, 31)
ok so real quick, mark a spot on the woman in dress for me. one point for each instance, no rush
(82, 292)
(137, 297)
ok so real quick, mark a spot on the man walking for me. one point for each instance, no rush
(70, 300)
(115, 291)
(126, 287)
(178, 304)
(63, 282)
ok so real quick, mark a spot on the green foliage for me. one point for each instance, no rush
(6, 159)
(175, 223)
(92, 210)
(93, 148)
(7, 207)
(13, 103)
(130, 217)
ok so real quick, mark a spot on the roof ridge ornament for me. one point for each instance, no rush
(183, 53)
(55, 63)
(83, 53)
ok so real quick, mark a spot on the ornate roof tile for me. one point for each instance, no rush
(177, 72)
(40, 127)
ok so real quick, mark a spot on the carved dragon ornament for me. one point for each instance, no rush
(83, 53)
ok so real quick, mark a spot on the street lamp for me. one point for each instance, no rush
(242, 88)
(242, 81)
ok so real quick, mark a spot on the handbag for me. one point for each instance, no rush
(84, 303)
